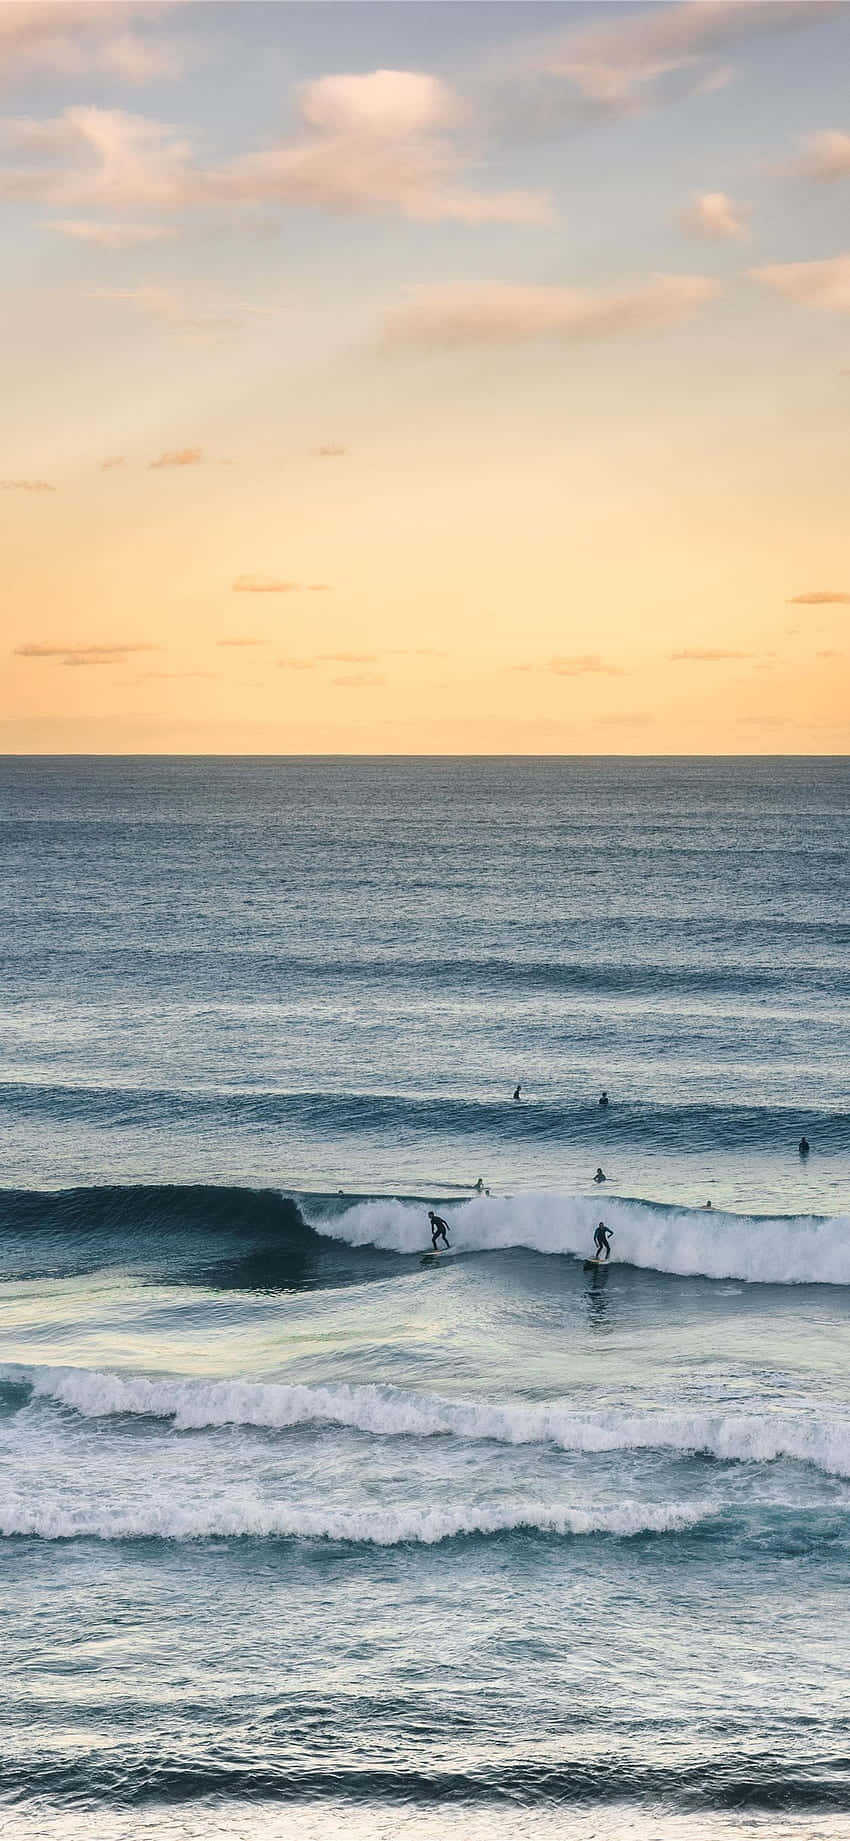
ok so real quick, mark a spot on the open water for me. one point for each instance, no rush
(301, 1536)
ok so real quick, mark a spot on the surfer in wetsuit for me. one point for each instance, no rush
(600, 1176)
(603, 1098)
(804, 1147)
(602, 1242)
(439, 1229)
(517, 1090)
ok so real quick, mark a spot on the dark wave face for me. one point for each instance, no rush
(307, 1529)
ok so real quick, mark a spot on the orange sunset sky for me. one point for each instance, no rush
(425, 378)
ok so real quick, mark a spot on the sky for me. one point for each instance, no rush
(425, 378)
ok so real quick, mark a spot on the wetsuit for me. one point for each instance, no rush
(601, 1242)
(439, 1231)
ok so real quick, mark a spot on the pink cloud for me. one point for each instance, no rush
(470, 313)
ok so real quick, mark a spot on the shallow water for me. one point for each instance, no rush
(301, 1534)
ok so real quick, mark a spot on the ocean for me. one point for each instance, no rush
(304, 1534)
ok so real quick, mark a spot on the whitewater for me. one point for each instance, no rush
(777, 1250)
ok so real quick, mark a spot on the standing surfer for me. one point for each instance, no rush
(439, 1229)
(602, 1242)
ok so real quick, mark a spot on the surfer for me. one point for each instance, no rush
(603, 1098)
(600, 1176)
(707, 1205)
(804, 1147)
(479, 1186)
(439, 1229)
(517, 1090)
(602, 1242)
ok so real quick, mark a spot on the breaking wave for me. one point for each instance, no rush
(822, 1441)
(241, 1514)
(778, 1250)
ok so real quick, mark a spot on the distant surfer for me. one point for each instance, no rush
(707, 1205)
(479, 1186)
(439, 1229)
(517, 1090)
(601, 1241)
(804, 1147)
(603, 1098)
(600, 1176)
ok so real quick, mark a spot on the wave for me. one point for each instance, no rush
(783, 1249)
(323, 1114)
(813, 1438)
(241, 1515)
(262, 1238)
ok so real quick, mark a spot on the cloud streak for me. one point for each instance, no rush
(820, 597)
(177, 457)
(109, 235)
(95, 654)
(263, 584)
(492, 313)
(824, 285)
(26, 485)
(653, 54)
(706, 655)
(582, 664)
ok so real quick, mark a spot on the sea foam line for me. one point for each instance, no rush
(822, 1441)
(240, 1514)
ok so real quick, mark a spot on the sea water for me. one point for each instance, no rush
(301, 1536)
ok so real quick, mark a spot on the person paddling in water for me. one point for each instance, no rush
(439, 1229)
(600, 1176)
(601, 1241)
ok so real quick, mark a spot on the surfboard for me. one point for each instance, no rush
(596, 1262)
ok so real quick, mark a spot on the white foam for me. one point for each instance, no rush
(809, 1437)
(782, 1250)
(240, 1512)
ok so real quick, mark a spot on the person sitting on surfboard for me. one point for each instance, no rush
(600, 1176)
(439, 1229)
(602, 1242)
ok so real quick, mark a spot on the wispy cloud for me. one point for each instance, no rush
(812, 284)
(348, 658)
(180, 312)
(581, 664)
(112, 460)
(827, 156)
(654, 54)
(98, 653)
(706, 655)
(820, 597)
(240, 642)
(26, 485)
(330, 452)
(177, 457)
(110, 235)
(296, 664)
(359, 680)
(489, 313)
(714, 215)
(319, 588)
(263, 584)
(85, 38)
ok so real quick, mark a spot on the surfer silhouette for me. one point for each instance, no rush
(439, 1229)
(602, 1242)
(600, 1176)
(603, 1098)
(517, 1090)
(804, 1147)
